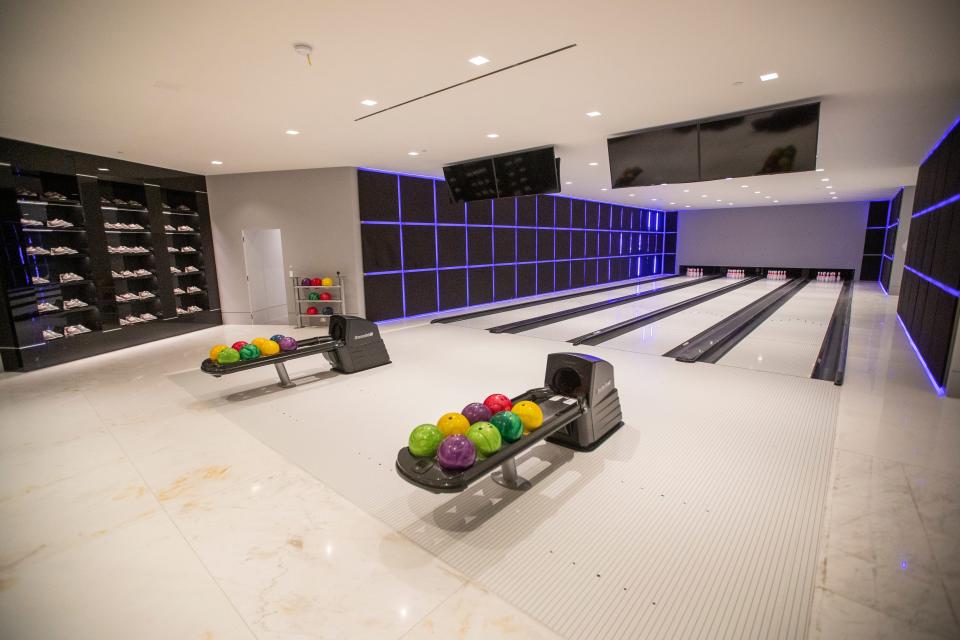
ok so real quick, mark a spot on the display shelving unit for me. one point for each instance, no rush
(325, 308)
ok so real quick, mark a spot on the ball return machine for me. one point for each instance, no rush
(354, 344)
(581, 409)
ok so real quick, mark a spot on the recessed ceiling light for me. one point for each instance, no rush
(728, 178)
(593, 114)
(603, 188)
(767, 197)
(834, 198)
(653, 199)
(704, 196)
(833, 193)
(829, 186)
(368, 102)
(568, 182)
(776, 201)
(632, 195)
(413, 153)
(478, 60)
(493, 135)
(729, 203)
(757, 192)
(292, 132)
(216, 162)
(688, 206)
(744, 186)
(719, 200)
(686, 190)
(824, 179)
(820, 170)
(593, 164)
(102, 169)
(769, 76)
(673, 203)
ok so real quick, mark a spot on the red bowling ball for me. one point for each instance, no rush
(498, 402)
(239, 344)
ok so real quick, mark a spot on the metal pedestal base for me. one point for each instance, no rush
(507, 476)
(284, 376)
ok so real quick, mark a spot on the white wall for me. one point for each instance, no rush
(806, 235)
(903, 234)
(318, 217)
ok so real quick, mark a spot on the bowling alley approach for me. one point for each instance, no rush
(538, 320)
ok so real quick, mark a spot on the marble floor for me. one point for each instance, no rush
(133, 508)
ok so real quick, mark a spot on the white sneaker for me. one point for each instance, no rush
(63, 251)
(194, 308)
(114, 274)
(192, 289)
(115, 249)
(37, 251)
(187, 249)
(50, 334)
(178, 291)
(37, 280)
(184, 227)
(173, 250)
(126, 273)
(27, 222)
(139, 249)
(192, 269)
(135, 226)
(75, 330)
(165, 206)
(175, 270)
(69, 277)
(57, 223)
(169, 227)
(110, 226)
(134, 203)
(182, 312)
(184, 208)
(142, 272)
(144, 295)
(46, 307)
(147, 317)
(74, 303)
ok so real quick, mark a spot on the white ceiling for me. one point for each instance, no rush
(178, 83)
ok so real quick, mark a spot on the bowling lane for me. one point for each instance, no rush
(663, 335)
(583, 324)
(789, 341)
(493, 320)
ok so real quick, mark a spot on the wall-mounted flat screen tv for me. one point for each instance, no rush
(781, 140)
(654, 157)
(520, 173)
(472, 180)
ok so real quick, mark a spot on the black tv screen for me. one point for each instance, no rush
(472, 180)
(766, 142)
(654, 157)
(527, 172)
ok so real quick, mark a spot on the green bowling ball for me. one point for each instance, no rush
(313, 295)
(508, 424)
(424, 440)
(228, 356)
(249, 352)
(485, 437)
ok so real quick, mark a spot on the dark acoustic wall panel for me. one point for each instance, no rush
(423, 253)
(929, 292)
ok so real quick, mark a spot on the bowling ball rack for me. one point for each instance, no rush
(306, 347)
(558, 412)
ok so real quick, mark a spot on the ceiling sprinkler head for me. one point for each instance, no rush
(304, 49)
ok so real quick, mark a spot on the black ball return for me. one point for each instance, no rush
(354, 344)
(581, 409)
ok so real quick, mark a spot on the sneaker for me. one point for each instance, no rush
(115, 249)
(194, 308)
(57, 223)
(63, 251)
(74, 303)
(146, 295)
(75, 330)
(37, 281)
(27, 222)
(135, 226)
(53, 195)
(147, 317)
(131, 319)
(165, 206)
(169, 227)
(184, 227)
(126, 297)
(181, 311)
(192, 289)
(119, 202)
(126, 273)
(105, 201)
(187, 249)
(69, 277)
(142, 272)
(116, 275)
(50, 334)
(46, 307)
(173, 250)
(26, 193)
(185, 209)
(110, 226)
(178, 291)
(174, 270)
(37, 251)
(134, 203)
(192, 269)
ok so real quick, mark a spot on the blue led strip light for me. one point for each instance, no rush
(942, 203)
(885, 292)
(933, 381)
(954, 292)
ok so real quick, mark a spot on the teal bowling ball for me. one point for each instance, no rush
(508, 424)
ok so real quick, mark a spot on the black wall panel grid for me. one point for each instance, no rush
(424, 253)
(927, 306)
(67, 221)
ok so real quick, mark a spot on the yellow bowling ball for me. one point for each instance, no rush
(530, 414)
(269, 348)
(453, 424)
(327, 282)
(259, 342)
(216, 351)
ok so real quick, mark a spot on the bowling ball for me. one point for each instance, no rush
(277, 337)
(452, 424)
(312, 311)
(249, 352)
(498, 402)
(216, 350)
(326, 296)
(305, 282)
(485, 437)
(456, 453)
(328, 311)
(259, 342)
(328, 282)
(424, 440)
(508, 424)
(529, 413)
(287, 344)
(316, 282)
(228, 356)
(239, 344)
(313, 295)
(476, 412)
(269, 348)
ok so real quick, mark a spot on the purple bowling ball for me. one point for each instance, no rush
(305, 282)
(476, 412)
(287, 344)
(456, 453)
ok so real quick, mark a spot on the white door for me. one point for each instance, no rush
(263, 261)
